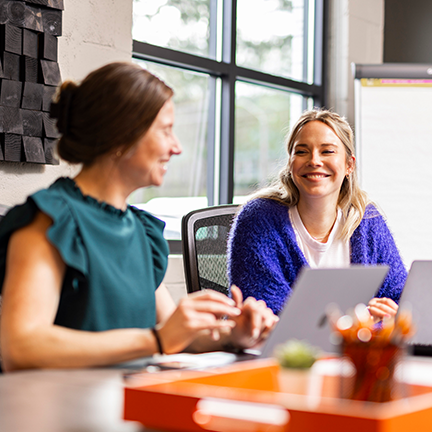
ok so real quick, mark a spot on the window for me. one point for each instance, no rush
(263, 116)
(242, 72)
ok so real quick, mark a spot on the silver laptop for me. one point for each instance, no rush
(417, 295)
(304, 316)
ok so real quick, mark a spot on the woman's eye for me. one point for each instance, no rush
(299, 152)
(328, 151)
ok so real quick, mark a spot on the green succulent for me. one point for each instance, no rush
(296, 354)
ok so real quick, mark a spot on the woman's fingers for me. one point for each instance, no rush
(382, 307)
(237, 295)
(270, 321)
(377, 313)
(254, 324)
(248, 322)
(205, 321)
(187, 322)
(201, 311)
(216, 308)
(384, 301)
(258, 313)
(208, 294)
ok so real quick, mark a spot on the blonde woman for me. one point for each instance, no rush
(314, 215)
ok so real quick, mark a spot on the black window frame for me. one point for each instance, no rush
(229, 73)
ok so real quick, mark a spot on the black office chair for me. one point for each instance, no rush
(204, 243)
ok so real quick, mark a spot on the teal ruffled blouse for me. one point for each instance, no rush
(115, 259)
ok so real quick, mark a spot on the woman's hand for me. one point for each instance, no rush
(198, 313)
(254, 323)
(380, 308)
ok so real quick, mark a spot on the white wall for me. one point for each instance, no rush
(95, 32)
(356, 34)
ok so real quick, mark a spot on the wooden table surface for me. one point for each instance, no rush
(84, 400)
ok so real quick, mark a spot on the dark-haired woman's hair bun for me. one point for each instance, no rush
(110, 110)
(60, 109)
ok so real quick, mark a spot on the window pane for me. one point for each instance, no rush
(183, 25)
(185, 183)
(271, 35)
(263, 117)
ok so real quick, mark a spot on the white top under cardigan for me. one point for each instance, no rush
(334, 253)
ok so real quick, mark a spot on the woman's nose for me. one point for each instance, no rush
(315, 159)
(176, 147)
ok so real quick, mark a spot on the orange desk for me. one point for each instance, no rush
(258, 396)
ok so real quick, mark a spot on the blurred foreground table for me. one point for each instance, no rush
(91, 400)
(87, 400)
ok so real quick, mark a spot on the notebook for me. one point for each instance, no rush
(304, 316)
(417, 295)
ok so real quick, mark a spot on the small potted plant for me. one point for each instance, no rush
(296, 358)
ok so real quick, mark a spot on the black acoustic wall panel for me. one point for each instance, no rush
(10, 38)
(10, 93)
(30, 43)
(29, 74)
(32, 96)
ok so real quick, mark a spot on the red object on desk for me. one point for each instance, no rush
(257, 396)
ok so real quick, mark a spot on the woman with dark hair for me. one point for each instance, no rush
(315, 214)
(80, 270)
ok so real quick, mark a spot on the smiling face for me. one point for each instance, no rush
(147, 160)
(319, 162)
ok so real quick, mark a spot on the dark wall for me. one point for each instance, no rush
(408, 31)
(29, 74)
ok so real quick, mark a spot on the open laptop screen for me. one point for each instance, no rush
(304, 316)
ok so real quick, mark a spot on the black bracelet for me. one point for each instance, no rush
(158, 341)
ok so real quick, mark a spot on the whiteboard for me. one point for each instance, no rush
(394, 150)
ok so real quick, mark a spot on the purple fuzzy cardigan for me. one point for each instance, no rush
(264, 258)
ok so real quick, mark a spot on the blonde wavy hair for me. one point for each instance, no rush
(352, 200)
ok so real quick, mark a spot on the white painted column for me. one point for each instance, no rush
(356, 34)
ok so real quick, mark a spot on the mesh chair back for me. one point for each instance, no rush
(204, 241)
